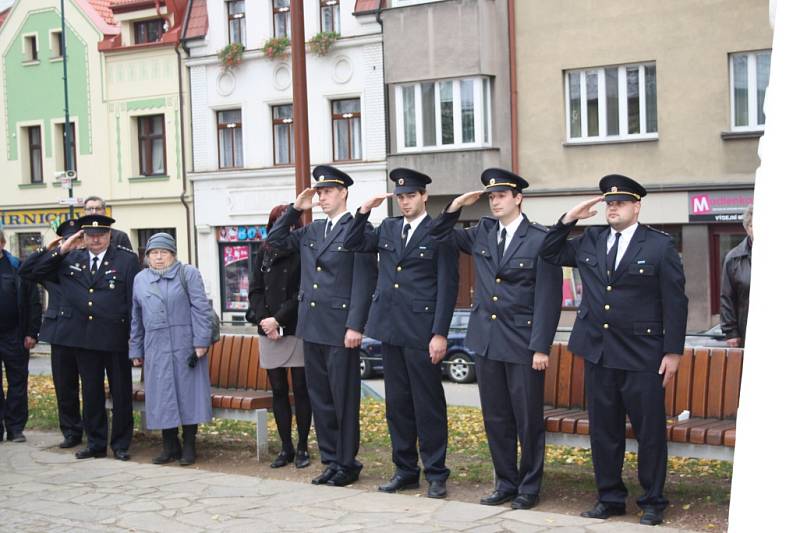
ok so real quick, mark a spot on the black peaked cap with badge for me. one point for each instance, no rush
(619, 188)
(95, 223)
(498, 179)
(328, 176)
(68, 228)
(407, 180)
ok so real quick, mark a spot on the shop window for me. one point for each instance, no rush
(28, 243)
(724, 238)
(238, 246)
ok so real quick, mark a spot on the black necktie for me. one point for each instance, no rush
(611, 258)
(501, 246)
(328, 228)
(94, 265)
(404, 236)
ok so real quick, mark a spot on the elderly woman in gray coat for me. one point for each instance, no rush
(170, 336)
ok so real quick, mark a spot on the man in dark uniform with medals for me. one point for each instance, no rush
(336, 287)
(96, 284)
(630, 330)
(410, 314)
(514, 319)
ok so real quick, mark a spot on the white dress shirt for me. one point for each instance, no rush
(511, 229)
(334, 221)
(624, 241)
(414, 224)
(99, 256)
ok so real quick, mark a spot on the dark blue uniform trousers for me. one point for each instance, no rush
(334, 388)
(13, 403)
(512, 401)
(416, 409)
(611, 393)
(64, 366)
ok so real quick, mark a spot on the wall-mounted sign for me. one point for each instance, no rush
(32, 217)
(718, 206)
(241, 233)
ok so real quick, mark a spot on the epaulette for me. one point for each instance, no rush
(664, 233)
(540, 227)
(120, 247)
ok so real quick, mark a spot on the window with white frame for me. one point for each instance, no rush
(329, 16)
(236, 22)
(443, 114)
(611, 103)
(749, 80)
(229, 138)
(282, 135)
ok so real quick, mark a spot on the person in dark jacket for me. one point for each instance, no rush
(94, 205)
(20, 319)
(63, 361)
(735, 291)
(274, 285)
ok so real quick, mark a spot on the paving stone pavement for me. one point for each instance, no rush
(42, 491)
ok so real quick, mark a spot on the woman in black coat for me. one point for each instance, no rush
(274, 284)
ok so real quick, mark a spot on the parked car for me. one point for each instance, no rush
(711, 338)
(458, 364)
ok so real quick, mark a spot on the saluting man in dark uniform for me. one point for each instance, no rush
(411, 312)
(630, 330)
(511, 328)
(96, 287)
(63, 360)
(336, 286)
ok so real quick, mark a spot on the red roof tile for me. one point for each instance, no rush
(367, 6)
(103, 8)
(3, 16)
(197, 25)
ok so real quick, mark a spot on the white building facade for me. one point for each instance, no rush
(242, 133)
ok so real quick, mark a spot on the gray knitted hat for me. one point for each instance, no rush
(161, 241)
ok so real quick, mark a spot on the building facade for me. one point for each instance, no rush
(669, 93)
(242, 133)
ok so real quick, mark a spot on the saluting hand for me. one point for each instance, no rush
(466, 199)
(583, 210)
(72, 243)
(352, 338)
(374, 202)
(54, 243)
(540, 361)
(304, 199)
(669, 366)
(437, 348)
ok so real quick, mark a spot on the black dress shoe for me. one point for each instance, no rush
(498, 497)
(525, 501)
(603, 511)
(651, 516)
(69, 442)
(325, 476)
(343, 478)
(16, 437)
(87, 453)
(122, 455)
(437, 489)
(283, 459)
(399, 483)
(302, 459)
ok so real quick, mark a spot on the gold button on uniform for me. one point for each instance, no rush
(319, 269)
(648, 330)
(494, 298)
(497, 280)
(315, 286)
(641, 271)
(90, 304)
(344, 306)
(607, 307)
(427, 308)
(91, 317)
(608, 288)
(399, 268)
(91, 290)
(313, 304)
(494, 317)
(396, 285)
(605, 326)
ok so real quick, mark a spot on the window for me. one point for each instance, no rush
(443, 114)
(749, 80)
(61, 153)
(346, 129)
(35, 153)
(236, 21)
(229, 138)
(611, 103)
(329, 15)
(282, 135)
(56, 46)
(281, 19)
(148, 31)
(31, 48)
(152, 146)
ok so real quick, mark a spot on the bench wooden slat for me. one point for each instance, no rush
(253, 365)
(729, 439)
(716, 382)
(701, 434)
(244, 364)
(226, 361)
(577, 400)
(552, 418)
(733, 381)
(236, 358)
(680, 430)
(671, 388)
(262, 380)
(683, 382)
(699, 403)
(551, 375)
(565, 378)
(715, 434)
(216, 361)
(569, 422)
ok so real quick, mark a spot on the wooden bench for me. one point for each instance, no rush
(707, 385)
(240, 389)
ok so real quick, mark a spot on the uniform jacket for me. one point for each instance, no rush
(166, 326)
(274, 286)
(336, 284)
(735, 291)
(633, 318)
(417, 285)
(94, 312)
(29, 305)
(517, 298)
(120, 238)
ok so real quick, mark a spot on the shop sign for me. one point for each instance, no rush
(241, 233)
(234, 254)
(32, 217)
(718, 206)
